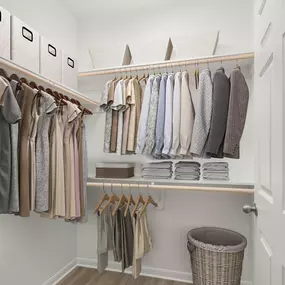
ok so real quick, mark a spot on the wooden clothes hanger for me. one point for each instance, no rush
(130, 201)
(139, 201)
(113, 198)
(147, 202)
(123, 199)
(4, 74)
(104, 198)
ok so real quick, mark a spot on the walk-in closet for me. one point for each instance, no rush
(142, 142)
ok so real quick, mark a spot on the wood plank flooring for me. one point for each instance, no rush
(89, 276)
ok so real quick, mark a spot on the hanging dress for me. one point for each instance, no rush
(76, 165)
(47, 109)
(26, 98)
(9, 114)
(68, 147)
(32, 150)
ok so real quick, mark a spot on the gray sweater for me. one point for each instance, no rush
(239, 96)
(221, 96)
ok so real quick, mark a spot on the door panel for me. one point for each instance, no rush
(269, 254)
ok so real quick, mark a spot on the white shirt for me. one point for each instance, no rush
(176, 115)
(168, 115)
(144, 115)
(187, 115)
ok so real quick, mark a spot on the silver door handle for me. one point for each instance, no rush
(250, 209)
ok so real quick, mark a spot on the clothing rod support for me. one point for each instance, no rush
(168, 64)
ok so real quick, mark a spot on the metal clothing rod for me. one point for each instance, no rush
(167, 64)
(177, 187)
(12, 67)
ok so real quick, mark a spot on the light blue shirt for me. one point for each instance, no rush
(159, 133)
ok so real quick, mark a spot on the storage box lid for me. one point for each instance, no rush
(114, 165)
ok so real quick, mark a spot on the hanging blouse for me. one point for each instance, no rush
(203, 114)
(144, 116)
(9, 114)
(151, 120)
(114, 127)
(168, 126)
(47, 109)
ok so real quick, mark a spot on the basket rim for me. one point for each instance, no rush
(218, 248)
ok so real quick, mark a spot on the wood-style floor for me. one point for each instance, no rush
(89, 276)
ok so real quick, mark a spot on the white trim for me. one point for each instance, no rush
(61, 273)
(185, 277)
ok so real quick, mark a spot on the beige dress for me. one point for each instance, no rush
(32, 150)
(57, 179)
(69, 174)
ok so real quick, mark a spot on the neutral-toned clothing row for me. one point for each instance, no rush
(128, 238)
(43, 160)
(157, 118)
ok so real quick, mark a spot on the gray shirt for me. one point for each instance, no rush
(221, 96)
(10, 113)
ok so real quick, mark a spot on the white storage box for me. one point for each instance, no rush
(69, 71)
(5, 33)
(50, 60)
(25, 45)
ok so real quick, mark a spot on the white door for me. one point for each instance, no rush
(269, 93)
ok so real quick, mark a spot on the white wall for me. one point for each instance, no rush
(50, 18)
(106, 26)
(33, 249)
(112, 26)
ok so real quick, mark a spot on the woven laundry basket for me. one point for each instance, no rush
(216, 256)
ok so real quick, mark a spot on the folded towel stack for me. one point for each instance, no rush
(187, 170)
(216, 171)
(157, 170)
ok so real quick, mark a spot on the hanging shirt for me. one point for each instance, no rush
(176, 115)
(135, 104)
(187, 115)
(108, 119)
(9, 114)
(239, 96)
(114, 125)
(151, 120)
(144, 116)
(203, 114)
(221, 96)
(159, 132)
(126, 116)
(168, 126)
(118, 106)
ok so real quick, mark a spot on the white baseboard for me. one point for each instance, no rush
(185, 277)
(61, 273)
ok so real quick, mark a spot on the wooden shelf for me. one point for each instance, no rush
(168, 184)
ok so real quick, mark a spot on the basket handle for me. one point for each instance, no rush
(190, 246)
